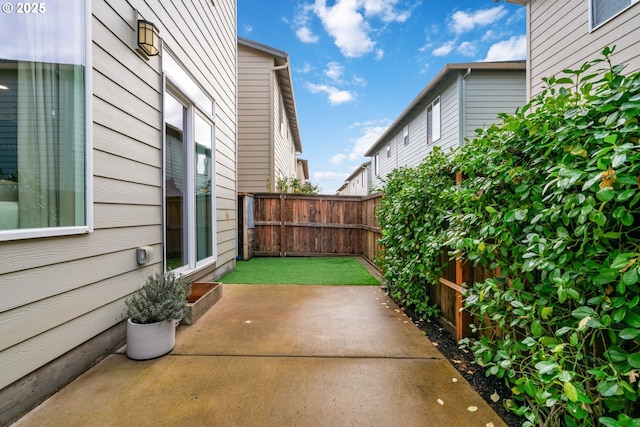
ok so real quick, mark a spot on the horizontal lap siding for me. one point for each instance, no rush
(254, 119)
(560, 38)
(60, 292)
(449, 116)
(491, 93)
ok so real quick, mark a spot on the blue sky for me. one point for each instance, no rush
(357, 64)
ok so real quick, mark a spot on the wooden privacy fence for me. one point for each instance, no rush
(306, 225)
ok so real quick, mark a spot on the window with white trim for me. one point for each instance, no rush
(189, 153)
(45, 121)
(433, 121)
(389, 151)
(376, 164)
(603, 10)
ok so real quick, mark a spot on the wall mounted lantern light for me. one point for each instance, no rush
(148, 38)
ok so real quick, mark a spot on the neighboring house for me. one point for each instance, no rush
(459, 100)
(566, 34)
(105, 149)
(268, 135)
(358, 183)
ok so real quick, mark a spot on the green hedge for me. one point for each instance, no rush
(549, 199)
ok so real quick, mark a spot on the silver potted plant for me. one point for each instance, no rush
(153, 314)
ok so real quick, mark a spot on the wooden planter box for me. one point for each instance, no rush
(203, 296)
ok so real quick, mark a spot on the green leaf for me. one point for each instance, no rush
(634, 360)
(629, 333)
(546, 366)
(598, 217)
(608, 389)
(632, 319)
(536, 329)
(570, 391)
(605, 194)
(546, 313)
(584, 311)
(630, 277)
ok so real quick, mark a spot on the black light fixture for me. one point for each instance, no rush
(148, 37)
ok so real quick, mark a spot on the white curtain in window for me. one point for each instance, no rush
(50, 159)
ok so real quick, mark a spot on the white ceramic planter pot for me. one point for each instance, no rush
(147, 341)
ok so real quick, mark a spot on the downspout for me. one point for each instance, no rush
(462, 109)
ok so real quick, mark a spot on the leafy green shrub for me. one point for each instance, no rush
(410, 215)
(550, 202)
(162, 297)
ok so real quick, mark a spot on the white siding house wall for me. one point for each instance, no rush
(255, 127)
(58, 293)
(560, 37)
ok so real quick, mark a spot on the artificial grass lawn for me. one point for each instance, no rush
(300, 271)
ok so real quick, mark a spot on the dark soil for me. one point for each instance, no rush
(462, 360)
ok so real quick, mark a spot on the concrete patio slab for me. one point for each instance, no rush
(279, 356)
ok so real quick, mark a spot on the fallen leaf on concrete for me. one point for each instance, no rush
(435, 344)
(472, 408)
(440, 401)
(495, 397)
(455, 380)
(247, 321)
(489, 424)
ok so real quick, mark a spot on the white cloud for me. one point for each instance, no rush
(338, 159)
(370, 134)
(334, 71)
(336, 96)
(445, 49)
(247, 29)
(306, 68)
(347, 27)
(385, 9)
(305, 35)
(379, 54)
(508, 50)
(349, 22)
(467, 49)
(462, 22)
(359, 81)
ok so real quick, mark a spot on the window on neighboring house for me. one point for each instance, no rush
(376, 164)
(45, 121)
(189, 171)
(388, 151)
(603, 10)
(433, 121)
(405, 135)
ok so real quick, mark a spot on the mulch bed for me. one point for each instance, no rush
(462, 360)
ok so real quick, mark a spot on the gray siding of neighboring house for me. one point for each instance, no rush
(417, 149)
(489, 93)
(560, 38)
(255, 119)
(470, 99)
(59, 292)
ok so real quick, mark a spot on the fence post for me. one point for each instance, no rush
(283, 250)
